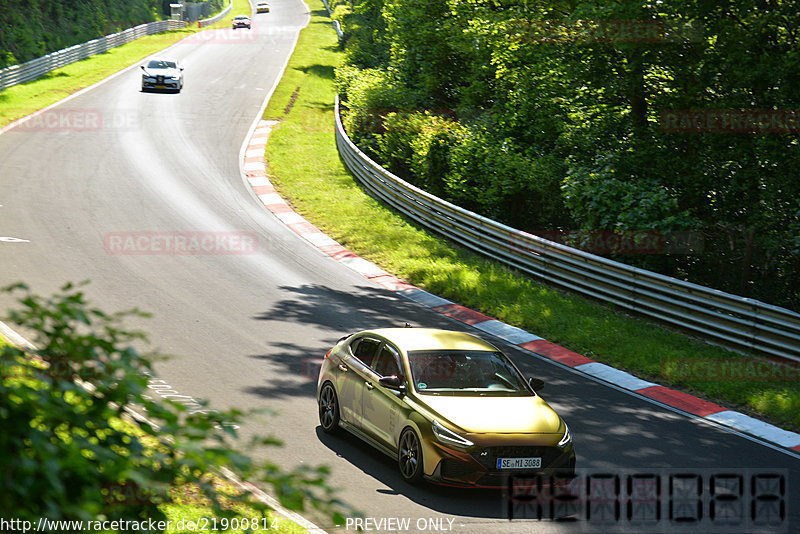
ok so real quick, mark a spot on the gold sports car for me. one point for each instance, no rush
(449, 407)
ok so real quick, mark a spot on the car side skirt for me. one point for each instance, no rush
(362, 436)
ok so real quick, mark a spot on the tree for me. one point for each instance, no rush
(575, 94)
(69, 449)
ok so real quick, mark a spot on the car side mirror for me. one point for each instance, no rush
(537, 384)
(181, 68)
(392, 382)
(141, 67)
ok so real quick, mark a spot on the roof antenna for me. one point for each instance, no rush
(407, 325)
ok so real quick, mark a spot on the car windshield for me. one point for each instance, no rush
(161, 64)
(241, 17)
(458, 372)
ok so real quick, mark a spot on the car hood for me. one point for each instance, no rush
(511, 415)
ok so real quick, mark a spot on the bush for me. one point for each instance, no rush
(600, 199)
(68, 452)
(500, 180)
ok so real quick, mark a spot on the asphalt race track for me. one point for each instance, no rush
(248, 318)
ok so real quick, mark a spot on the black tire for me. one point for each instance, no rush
(409, 457)
(328, 405)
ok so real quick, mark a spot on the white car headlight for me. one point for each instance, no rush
(448, 436)
(566, 439)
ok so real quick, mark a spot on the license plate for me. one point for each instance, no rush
(519, 463)
(161, 86)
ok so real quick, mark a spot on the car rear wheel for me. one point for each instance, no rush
(409, 457)
(328, 409)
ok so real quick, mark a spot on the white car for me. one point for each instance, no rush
(162, 73)
(241, 21)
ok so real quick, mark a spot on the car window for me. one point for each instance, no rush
(365, 348)
(456, 372)
(161, 64)
(385, 362)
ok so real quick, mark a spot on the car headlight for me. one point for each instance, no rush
(566, 439)
(448, 436)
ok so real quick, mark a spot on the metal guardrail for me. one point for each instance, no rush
(729, 320)
(337, 26)
(35, 68)
(215, 18)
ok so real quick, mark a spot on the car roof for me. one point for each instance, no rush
(407, 339)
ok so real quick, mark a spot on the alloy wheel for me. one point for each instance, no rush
(328, 409)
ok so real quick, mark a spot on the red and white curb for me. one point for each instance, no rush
(256, 175)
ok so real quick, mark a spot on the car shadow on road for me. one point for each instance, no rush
(467, 502)
(298, 364)
(358, 308)
(332, 311)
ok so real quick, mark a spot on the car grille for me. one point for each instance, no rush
(455, 469)
(488, 457)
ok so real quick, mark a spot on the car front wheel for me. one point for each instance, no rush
(409, 457)
(328, 409)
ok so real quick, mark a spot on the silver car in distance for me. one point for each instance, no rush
(162, 73)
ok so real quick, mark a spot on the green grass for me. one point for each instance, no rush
(23, 99)
(305, 167)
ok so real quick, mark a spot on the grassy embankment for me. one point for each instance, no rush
(306, 169)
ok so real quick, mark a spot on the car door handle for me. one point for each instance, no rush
(369, 385)
(342, 367)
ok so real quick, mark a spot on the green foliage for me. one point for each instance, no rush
(30, 29)
(496, 177)
(604, 200)
(365, 32)
(576, 93)
(67, 452)
(371, 96)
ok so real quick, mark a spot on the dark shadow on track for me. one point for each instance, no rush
(480, 503)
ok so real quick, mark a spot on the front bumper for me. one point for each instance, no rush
(170, 85)
(475, 467)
